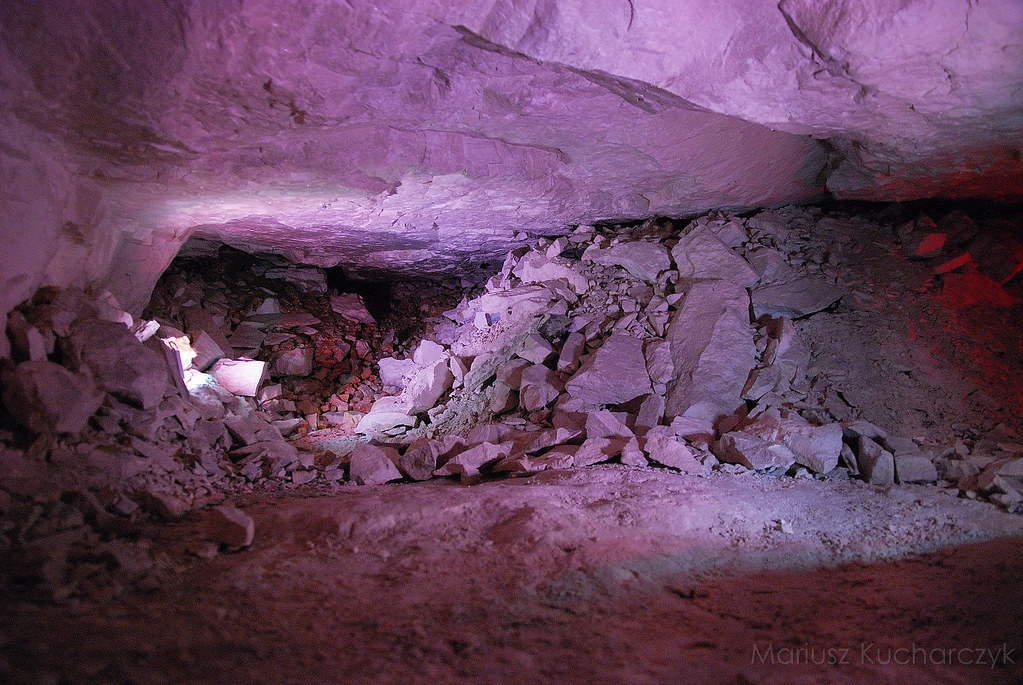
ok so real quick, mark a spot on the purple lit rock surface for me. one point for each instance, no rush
(422, 136)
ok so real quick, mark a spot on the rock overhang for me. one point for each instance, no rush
(421, 138)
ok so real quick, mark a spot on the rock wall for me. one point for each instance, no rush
(424, 137)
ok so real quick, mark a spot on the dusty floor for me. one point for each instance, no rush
(600, 575)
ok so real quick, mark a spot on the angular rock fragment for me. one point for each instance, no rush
(914, 469)
(795, 299)
(596, 451)
(663, 447)
(373, 464)
(473, 459)
(396, 372)
(571, 352)
(207, 351)
(659, 364)
(386, 413)
(240, 376)
(540, 387)
(712, 351)
(47, 398)
(120, 364)
(753, 452)
(815, 447)
(537, 268)
(297, 362)
(644, 260)
(426, 387)
(632, 454)
(607, 424)
(535, 349)
(351, 306)
(420, 459)
(427, 352)
(614, 374)
(231, 527)
(702, 255)
(876, 463)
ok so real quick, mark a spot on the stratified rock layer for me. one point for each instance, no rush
(423, 137)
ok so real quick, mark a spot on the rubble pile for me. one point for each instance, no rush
(650, 347)
(645, 345)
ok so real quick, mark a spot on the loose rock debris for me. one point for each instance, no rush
(649, 346)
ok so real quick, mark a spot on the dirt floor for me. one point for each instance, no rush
(601, 575)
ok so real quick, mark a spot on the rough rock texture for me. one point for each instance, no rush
(423, 136)
(711, 349)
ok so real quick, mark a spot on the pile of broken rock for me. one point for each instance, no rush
(647, 347)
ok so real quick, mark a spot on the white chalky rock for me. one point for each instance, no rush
(396, 372)
(753, 452)
(644, 260)
(428, 385)
(373, 464)
(712, 351)
(427, 352)
(475, 458)
(816, 447)
(702, 255)
(386, 413)
(615, 373)
(876, 463)
(663, 447)
(537, 268)
(240, 376)
(797, 298)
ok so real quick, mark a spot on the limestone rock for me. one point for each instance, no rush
(571, 352)
(876, 463)
(753, 452)
(540, 387)
(473, 459)
(538, 268)
(607, 424)
(712, 351)
(231, 527)
(663, 447)
(120, 364)
(386, 413)
(795, 299)
(427, 352)
(815, 447)
(914, 469)
(396, 372)
(426, 387)
(240, 376)
(207, 351)
(373, 464)
(535, 349)
(615, 373)
(702, 255)
(47, 398)
(596, 451)
(644, 260)
(351, 306)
